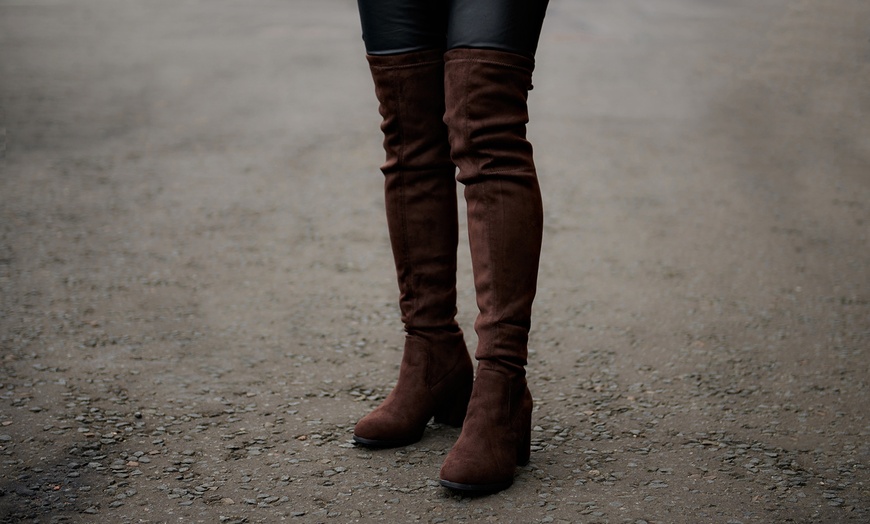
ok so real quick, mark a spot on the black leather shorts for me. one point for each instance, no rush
(402, 26)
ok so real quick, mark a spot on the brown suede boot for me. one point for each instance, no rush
(420, 194)
(486, 114)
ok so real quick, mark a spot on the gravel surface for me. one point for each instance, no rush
(198, 299)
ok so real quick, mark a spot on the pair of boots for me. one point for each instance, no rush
(464, 108)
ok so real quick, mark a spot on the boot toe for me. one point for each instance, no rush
(384, 432)
(477, 472)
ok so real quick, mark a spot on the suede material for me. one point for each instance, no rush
(419, 186)
(496, 434)
(434, 379)
(486, 113)
(420, 199)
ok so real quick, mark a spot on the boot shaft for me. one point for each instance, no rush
(486, 113)
(419, 186)
(410, 92)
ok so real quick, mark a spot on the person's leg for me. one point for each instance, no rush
(513, 26)
(420, 198)
(487, 78)
(392, 27)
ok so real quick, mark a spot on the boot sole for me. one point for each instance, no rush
(476, 488)
(373, 443)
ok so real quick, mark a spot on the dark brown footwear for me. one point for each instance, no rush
(496, 436)
(420, 197)
(429, 385)
(486, 114)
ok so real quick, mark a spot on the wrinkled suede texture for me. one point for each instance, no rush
(486, 114)
(496, 436)
(419, 186)
(420, 199)
(434, 379)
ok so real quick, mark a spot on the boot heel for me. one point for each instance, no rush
(451, 409)
(524, 451)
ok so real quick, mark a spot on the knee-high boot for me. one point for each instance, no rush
(486, 114)
(420, 195)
